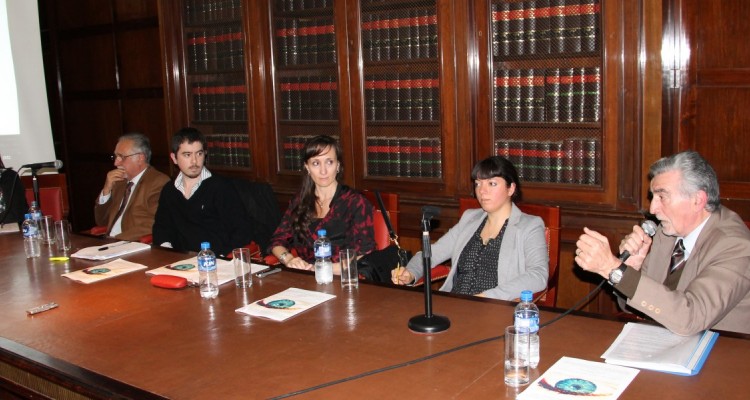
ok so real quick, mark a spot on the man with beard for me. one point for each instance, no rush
(199, 207)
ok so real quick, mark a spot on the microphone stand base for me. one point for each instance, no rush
(429, 325)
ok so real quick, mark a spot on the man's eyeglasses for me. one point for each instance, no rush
(120, 157)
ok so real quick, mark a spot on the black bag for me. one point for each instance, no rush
(378, 264)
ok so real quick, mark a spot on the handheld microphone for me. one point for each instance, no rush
(57, 164)
(428, 212)
(649, 227)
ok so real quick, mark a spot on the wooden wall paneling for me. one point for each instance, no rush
(87, 62)
(79, 13)
(711, 95)
(257, 52)
(139, 58)
(134, 9)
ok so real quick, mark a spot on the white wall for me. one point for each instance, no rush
(34, 143)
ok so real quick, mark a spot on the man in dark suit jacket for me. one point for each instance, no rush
(131, 218)
(706, 282)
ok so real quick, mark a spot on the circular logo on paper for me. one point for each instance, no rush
(576, 386)
(96, 271)
(278, 304)
(181, 267)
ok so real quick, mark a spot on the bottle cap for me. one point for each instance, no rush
(322, 232)
(205, 245)
(26, 216)
(526, 295)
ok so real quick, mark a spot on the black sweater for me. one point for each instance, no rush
(214, 213)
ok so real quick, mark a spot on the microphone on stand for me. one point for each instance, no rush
(428, 323)
(57, 164)
(34, 167)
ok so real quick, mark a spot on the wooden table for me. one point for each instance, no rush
(123, 338)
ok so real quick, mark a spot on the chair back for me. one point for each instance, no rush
(53, 194)
(390, 200)
(51, 200)
(551, 217)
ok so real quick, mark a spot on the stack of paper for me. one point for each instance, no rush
(286, 304)
(9, 228)
(188, 269)
(655, 348)
(104, 271)
(111, 250)
(571, 378)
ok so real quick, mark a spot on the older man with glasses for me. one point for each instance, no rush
(127, 203)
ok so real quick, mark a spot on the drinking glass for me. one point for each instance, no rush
(62, 236)
(517, 372)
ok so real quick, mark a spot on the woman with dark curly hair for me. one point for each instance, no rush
(323, 203)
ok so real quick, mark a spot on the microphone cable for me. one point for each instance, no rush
(391, 367)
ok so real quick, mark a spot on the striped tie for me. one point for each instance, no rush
(678, 257)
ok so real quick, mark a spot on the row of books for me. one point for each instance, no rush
(299, 5)
(573, 160)
(399, 35)
(219, 49)
(208, 11)
(303, 41)
(404, 157)
(228, 150)
(402, 97)
(545, 27)
(293, 150)
(309, 98)
(548, 95)
(219, 102)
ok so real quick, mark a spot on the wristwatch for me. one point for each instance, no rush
(615, 276)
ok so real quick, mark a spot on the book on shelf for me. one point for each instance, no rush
(228, 150)
(537, 27)
(201, 11)
(309, 98)
(655, 348)
(404, 34)
(547, 95)
(304, 41)
(215, 50)
(572, 160)
(404, 157)
(222, 101)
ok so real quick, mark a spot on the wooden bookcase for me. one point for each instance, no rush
(210, 85)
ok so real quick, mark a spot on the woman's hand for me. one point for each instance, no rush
(401, 276)
(298, 263)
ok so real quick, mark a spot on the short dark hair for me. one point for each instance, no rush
(697, 174)
(497, 166)
(141, 143)
(189, 135)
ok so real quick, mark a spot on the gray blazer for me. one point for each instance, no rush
(523, 263)
(714, 288)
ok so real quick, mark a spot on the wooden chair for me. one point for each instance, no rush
(551, 217)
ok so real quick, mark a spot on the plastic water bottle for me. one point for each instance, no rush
(31, 237)
(527, 317)
(208, 277)
(35, 212)
(323, 264)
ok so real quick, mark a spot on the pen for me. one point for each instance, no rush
(59, 258)
(112, 245)
(268, 272)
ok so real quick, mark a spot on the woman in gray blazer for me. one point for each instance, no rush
(497, 251)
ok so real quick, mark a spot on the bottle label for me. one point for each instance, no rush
(323, 250)
(29, 230)
(532, 324)
(206, 264)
